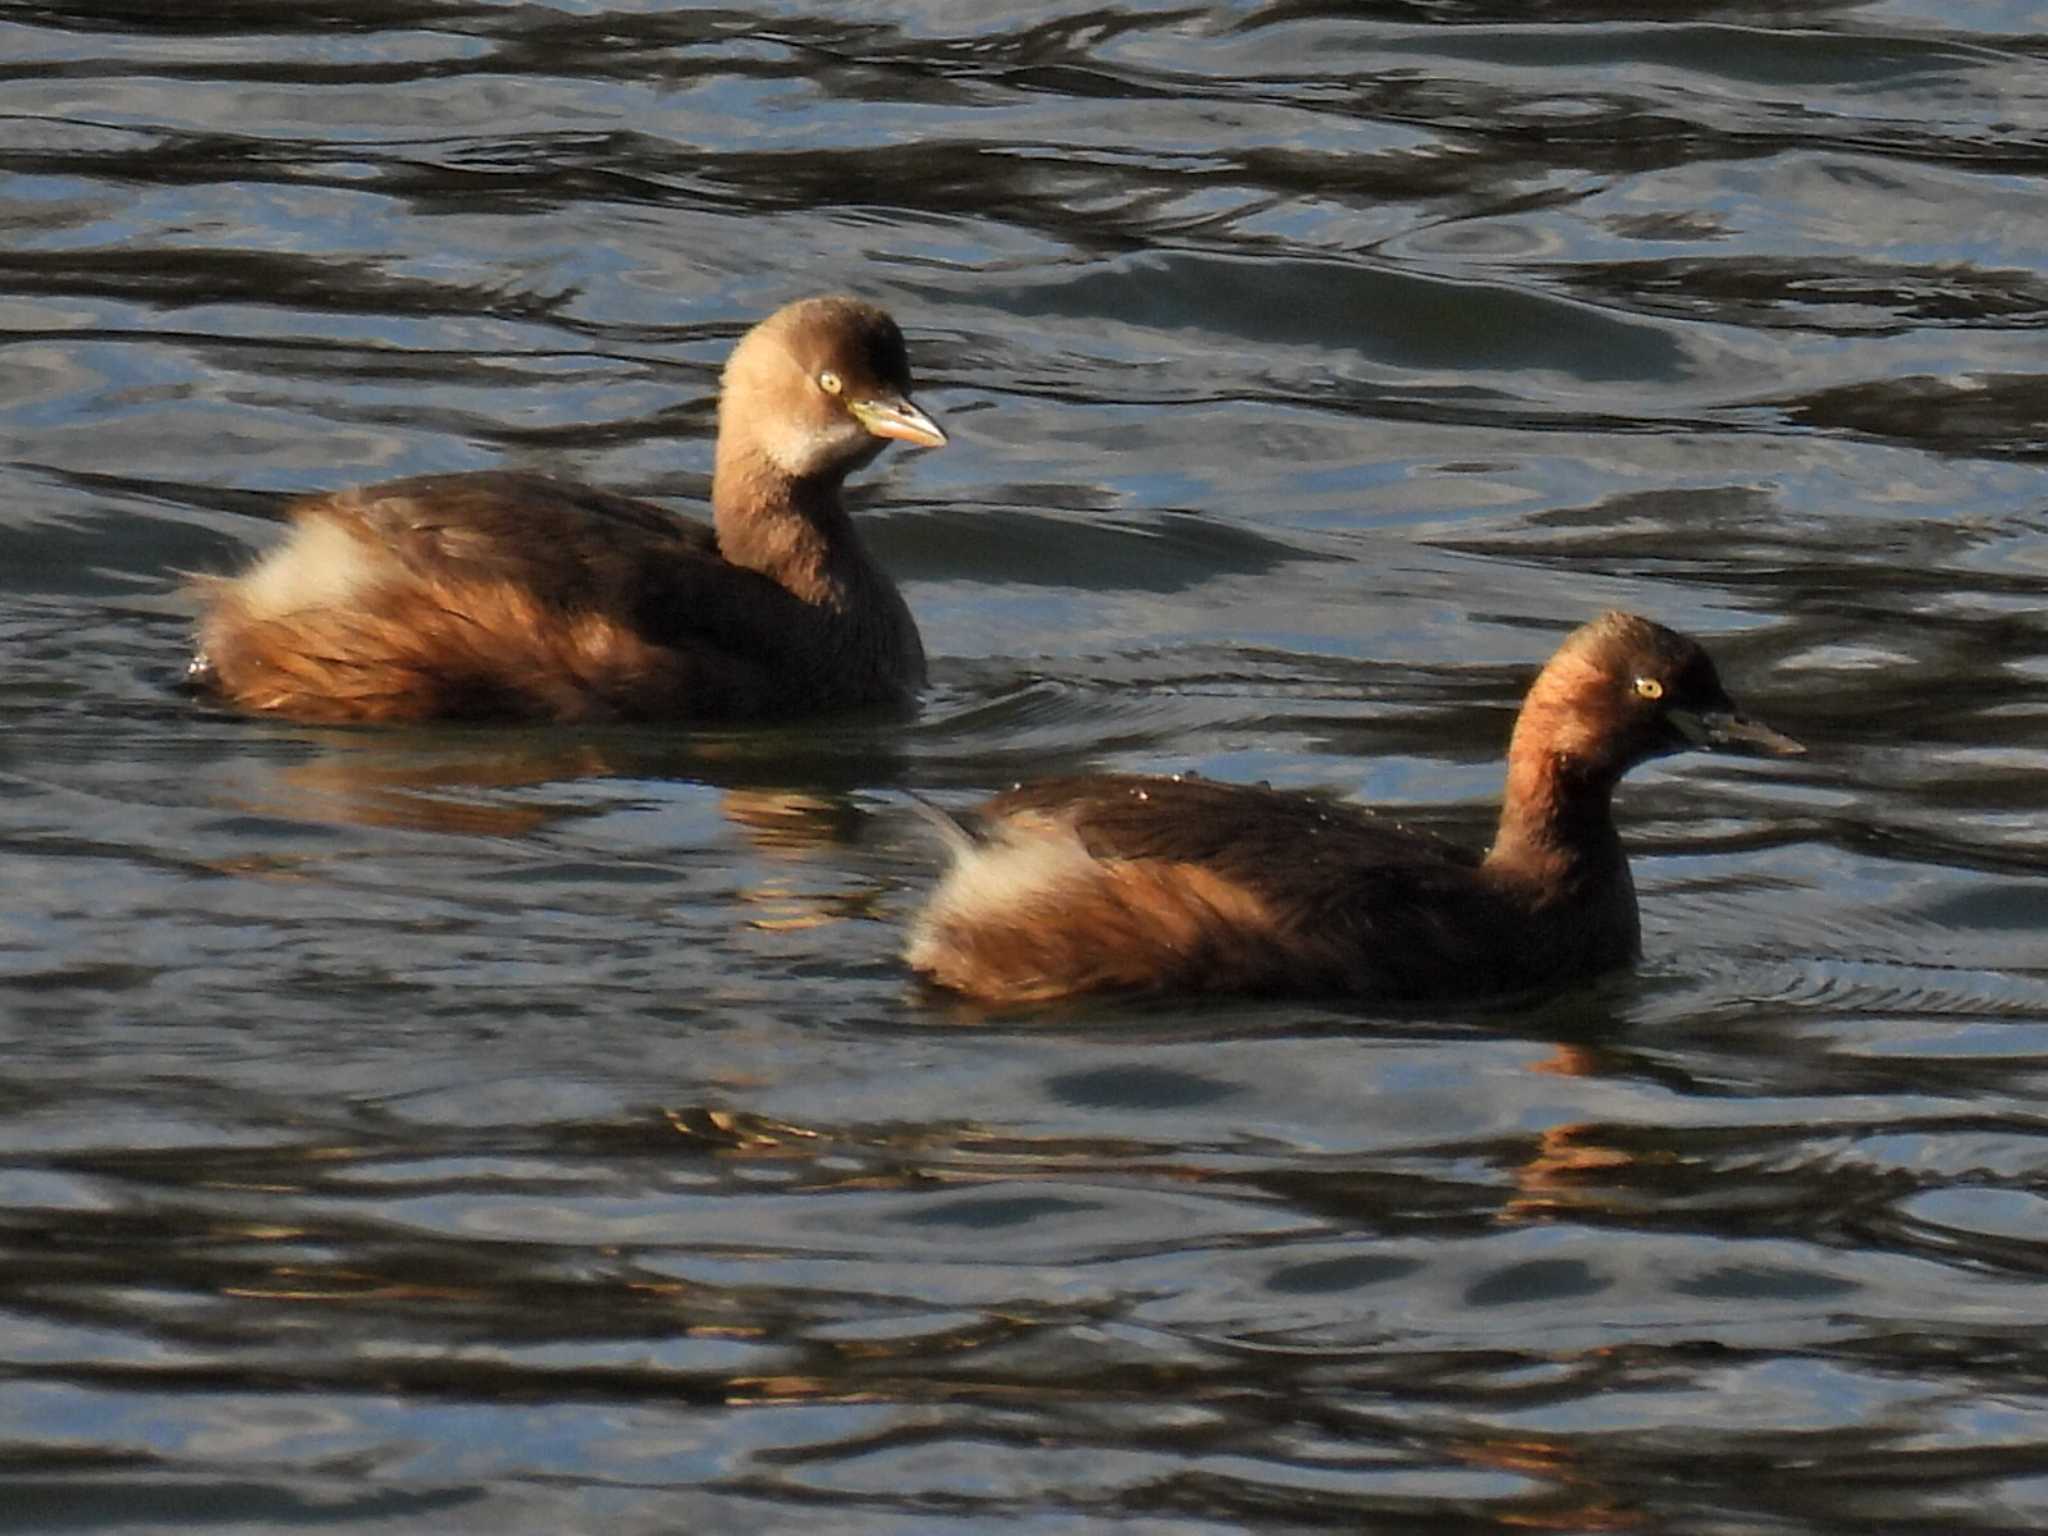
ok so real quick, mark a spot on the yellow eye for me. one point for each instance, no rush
(828, 381)
(1649, 688)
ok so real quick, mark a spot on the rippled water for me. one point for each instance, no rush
(485, 1130)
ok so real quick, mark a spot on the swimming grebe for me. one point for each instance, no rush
(516, 596)
(1119, 882)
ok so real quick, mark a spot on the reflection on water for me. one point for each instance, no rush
(487, 1129)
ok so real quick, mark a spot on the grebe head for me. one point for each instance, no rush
(1622, 690)
(820, 387)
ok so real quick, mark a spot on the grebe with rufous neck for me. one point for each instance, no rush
(1127, 883)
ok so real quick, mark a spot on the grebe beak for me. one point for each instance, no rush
(894, 416)
(1723, 730)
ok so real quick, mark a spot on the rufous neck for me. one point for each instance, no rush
(1557, 814)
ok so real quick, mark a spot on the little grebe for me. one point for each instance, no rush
(515, 596)
(1119, 882)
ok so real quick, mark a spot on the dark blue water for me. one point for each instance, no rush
(489, 1130)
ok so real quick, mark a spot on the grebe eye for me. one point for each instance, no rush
(1649, 688)
(828, 381)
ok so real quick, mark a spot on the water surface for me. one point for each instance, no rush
(533, 1129)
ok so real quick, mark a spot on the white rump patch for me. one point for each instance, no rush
(1029, 864)
(320, 565)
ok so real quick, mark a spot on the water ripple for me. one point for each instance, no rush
(502, 1130)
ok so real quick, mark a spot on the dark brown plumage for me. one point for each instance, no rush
(1126, 883)
(517, 596)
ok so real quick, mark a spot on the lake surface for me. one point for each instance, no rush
(533, 1130)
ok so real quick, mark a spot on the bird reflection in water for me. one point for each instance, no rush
(519, 786)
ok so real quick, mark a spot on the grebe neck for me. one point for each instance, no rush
(793, 529)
